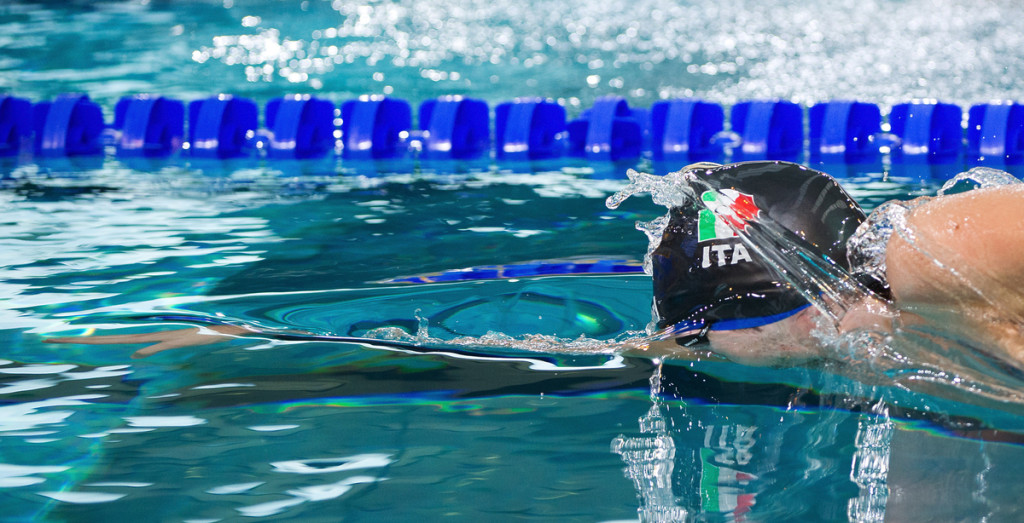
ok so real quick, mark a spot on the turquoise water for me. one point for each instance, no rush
(481, 400)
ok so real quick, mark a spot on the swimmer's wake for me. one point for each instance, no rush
(540, 351)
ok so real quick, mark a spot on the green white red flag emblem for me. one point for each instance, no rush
(722, 209)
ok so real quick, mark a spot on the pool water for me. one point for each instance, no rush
(381, 388)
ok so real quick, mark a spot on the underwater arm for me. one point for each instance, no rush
(162, 340)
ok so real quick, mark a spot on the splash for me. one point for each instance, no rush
(671, 190)
(980, 178)
(919, 358)
(870, 469)
(504, 343)
(823, 283)
(866, 248)
(868, 244)
(422, 328)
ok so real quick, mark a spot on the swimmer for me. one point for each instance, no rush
(957, 263)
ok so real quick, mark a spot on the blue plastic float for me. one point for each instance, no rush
(151, 126)
(221, 127)
(300, 126)
(995, 133)
(15, 124)
(529, 129)
(842, 131)
(454, 128)
(684, 131)
(929, 132)
(374, 128)
(768, 130)
(71, 125)
(610, 131)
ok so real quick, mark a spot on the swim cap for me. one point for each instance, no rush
(706, 278)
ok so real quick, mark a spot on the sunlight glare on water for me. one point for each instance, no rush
(645, 50)
(886, 52)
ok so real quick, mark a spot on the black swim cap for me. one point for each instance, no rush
(705, 278)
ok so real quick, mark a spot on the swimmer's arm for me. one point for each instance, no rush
(958, 264)
(163, 340)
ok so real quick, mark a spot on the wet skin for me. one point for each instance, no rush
(960, 265)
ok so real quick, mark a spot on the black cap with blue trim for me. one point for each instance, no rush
(705, 277)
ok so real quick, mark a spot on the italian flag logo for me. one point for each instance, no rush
(722, 209)
(725, 490)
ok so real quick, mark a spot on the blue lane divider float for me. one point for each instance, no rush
(15, 124)
(930, 132)
(71, 125)
(221, 126)
(455, 128)
(300, 126)
(769, 130)
(684, 131)
(610, 131)
(151, 126)
(375, 128)
(842, 131)
(995, 133)
(529, 129)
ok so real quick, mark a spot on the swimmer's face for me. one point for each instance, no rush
(781, 344)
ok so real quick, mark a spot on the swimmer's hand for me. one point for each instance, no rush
(162, 340)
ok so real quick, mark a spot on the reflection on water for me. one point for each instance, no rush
(797, 455)
(870, 468)
(650, 462)
(313, 493)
